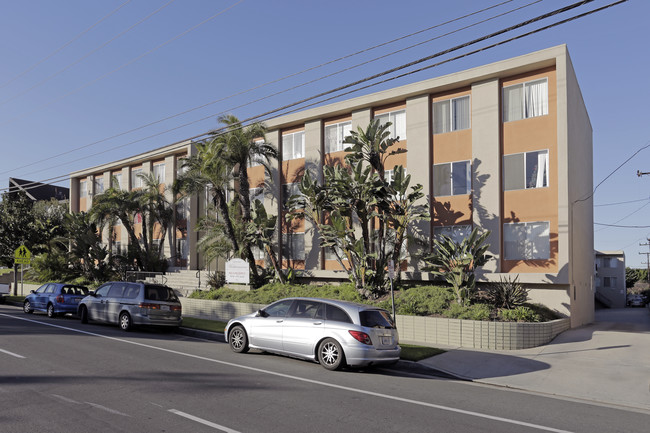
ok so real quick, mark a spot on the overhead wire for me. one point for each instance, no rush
(85, 56)
(254, 118)
(289, 76)
(53, 53)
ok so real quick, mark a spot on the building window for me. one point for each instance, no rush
(293, 145)
(256, 194)
(136, 181)
(525, 100)
(83, 189)
(116, 181)
(457, 233)
(609, 262)
(609, 282)
(452, 178)
(289, 189)
(99, 185)
(525, 170)
(181, 249)
(330, 255)
(258, 253)
(293, 246)
(451, 115)
(398, 121)
(256, 159)
(116, 247)
(159, 172)
(527, 241)
(335, 134)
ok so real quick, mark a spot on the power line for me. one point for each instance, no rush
(275, 111)
(283, 78)
(622, 202)
(627, 216)
(35, 65)
(83, 86)
(621, 226)
(85, 56)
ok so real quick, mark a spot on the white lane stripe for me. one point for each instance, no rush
(12, 354)
(203, 421)
(315, 382)
(66, 399)
(107, 409)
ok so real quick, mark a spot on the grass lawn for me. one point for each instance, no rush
(409, 351)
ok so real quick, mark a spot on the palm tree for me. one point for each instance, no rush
(160, 210)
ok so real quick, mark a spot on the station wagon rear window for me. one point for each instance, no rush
(376, 319)
(159, 293)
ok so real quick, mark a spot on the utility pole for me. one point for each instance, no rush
(642, 173)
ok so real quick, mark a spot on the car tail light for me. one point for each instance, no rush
(176, 308)
(60, 299)
(361, 337)
(149, 306)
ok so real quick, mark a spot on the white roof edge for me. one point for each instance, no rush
(511, 66)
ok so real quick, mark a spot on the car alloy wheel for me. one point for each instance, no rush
(330, 354)
(125, 321)
(27, 307)
(50, 310)
(238, 340)
(83, 314)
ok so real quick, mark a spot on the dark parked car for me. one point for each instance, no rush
(55, 299)
(333, 333)
(129, 304)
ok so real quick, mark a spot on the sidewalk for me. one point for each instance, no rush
(607, 362)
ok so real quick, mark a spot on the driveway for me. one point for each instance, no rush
(607, 362)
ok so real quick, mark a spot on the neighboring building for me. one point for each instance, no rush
(610, 278)
(506, 147)
(37, 191)
(165, 163)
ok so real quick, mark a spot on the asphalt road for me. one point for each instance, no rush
(57, 375)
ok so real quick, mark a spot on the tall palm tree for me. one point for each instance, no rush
(160, 210)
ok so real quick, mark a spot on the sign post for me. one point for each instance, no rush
(391, 275)
(22, 256)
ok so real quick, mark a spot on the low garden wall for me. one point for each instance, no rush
(429, 331)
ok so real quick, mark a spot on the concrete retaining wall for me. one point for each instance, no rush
(429, 331)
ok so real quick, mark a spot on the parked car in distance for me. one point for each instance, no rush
(55, 299)
(128, 304)
(333, 333)
(635, 300)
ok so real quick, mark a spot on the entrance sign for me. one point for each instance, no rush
(237, 271)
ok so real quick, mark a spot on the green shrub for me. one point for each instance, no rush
(519, 314)
(507, 293)
(472, 312)
(424, 300)
(272, 292)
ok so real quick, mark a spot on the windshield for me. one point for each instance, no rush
(376, 319)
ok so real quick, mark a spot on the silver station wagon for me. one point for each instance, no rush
(333, 333)
(129, 304)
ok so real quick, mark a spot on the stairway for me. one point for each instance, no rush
(186, 281)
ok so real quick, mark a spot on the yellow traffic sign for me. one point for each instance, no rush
(22, 256)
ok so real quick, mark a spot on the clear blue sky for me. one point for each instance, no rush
(53, 102)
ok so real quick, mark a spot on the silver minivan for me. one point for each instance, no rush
(129, 304)
(331, 332)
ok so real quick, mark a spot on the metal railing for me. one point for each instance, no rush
(158, 277)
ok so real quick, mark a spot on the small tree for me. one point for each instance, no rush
(456, 262)
(259, 232)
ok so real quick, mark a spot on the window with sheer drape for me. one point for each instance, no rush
(525, 100)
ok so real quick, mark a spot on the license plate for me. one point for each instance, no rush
(77, 300)
(164, 307)
(386, 341)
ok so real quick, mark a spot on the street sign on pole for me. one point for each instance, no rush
(22, 255)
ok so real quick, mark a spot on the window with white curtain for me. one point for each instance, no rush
(525, 170)
(452, 178)
(293, 246)
(257, 159)
(335, 134)
(525, 100)
(457, 232)
(159, 172)
(527, 241)
(398, 123)
(451, 115)
(99, 184)
(116, 181)
(293, 145)
(136, 181)
(83, 189)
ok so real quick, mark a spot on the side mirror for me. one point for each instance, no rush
(31, 291)
(261, 313)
